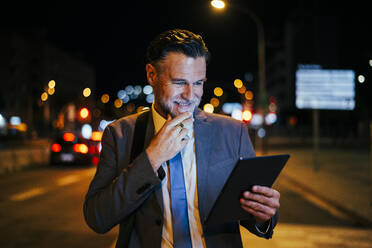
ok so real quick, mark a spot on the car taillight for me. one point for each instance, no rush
(56, 147)
(96, 136)
(95, 160)
(92, 149)
(81, 148)
(76, 148)
(68, 137)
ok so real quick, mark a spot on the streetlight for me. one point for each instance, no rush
(218, 4)
(260, 47)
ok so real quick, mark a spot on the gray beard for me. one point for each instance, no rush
(165, 109)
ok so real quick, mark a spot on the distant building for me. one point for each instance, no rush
(307, 39)
(310, 39)
(27, 63)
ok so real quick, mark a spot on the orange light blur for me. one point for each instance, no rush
(84, 112)
(247, 115)
(81, 148)
(76, 148)
(248, 95)
(68, 137)
(96, 135)
(56, 147)
(215, 102)
(238, 83)
(242, 90)
(218, 91)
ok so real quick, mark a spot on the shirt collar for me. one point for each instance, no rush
(159, 120)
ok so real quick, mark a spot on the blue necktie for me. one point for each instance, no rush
(180, 219)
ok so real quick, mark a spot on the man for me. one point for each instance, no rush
(163, 196)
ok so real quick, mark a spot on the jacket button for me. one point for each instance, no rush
(158, 222)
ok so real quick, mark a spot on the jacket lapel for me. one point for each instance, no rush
(203, 134)
(150, 132)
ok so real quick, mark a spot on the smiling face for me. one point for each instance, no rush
(178, 83)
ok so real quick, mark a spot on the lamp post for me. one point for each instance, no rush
(219, 4)
(261, 107)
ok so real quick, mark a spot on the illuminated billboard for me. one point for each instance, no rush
(325, 89)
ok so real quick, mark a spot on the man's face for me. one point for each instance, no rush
(178, 84)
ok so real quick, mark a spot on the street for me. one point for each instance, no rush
(42, 207)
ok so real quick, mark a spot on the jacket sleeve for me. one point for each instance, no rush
(113, 195)
(250, 225)
(246, 150)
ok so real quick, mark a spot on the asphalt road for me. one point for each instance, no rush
(42, 207)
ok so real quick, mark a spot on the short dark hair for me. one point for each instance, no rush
(176, 40)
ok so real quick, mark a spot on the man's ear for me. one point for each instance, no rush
(152, 75)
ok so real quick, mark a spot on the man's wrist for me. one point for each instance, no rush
(154, 163)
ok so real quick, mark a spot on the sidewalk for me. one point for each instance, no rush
(343, 178)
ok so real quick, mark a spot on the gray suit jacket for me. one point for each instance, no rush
(121, 189)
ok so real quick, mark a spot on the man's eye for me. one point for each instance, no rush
(179, 82)
(198, 83)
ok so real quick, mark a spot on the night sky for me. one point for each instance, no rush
(113, 37)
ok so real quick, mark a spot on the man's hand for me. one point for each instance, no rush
(262, 202)
(171, 139)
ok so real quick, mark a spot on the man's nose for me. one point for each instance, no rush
(188, 92)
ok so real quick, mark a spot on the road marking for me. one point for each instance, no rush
(68, 180)
(310, 236)
(27, 194)
(308, 195)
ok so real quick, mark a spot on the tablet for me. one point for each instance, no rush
(247, 172)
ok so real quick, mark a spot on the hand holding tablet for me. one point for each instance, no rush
(248, 172)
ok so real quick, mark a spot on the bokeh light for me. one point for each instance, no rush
(84, 113)
(361, 79)
(51, 91)
(86, 92)
(44, 96)
(238, 83)
(218, 4)
(129, 89)
(131, 107)
(208, 108)
(247, 115)
(147, 90)
(122, 94)
(52, 84)
(215, 102)
(248, 95)
(118, 103)
(105, 98)
(218, 91)
(242, 90)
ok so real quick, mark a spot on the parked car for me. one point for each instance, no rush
(70, 148)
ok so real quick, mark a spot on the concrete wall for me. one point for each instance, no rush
(12, 160)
